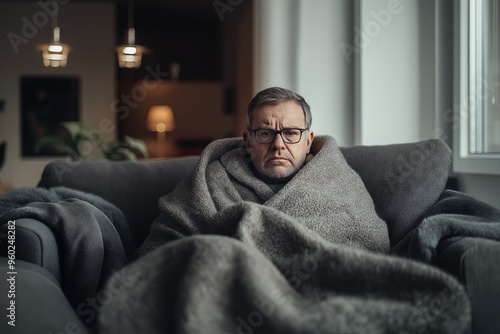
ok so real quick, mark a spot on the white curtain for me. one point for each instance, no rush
(297, 46)
(365, 66)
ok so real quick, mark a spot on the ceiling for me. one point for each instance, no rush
(156, 11)
(189, 30)
(146, 10)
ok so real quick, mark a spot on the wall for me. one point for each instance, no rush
(89, 28)
(297, 46)
(387, 78)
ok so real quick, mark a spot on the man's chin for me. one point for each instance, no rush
(277, 176)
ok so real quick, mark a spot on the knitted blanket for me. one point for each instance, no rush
(325, 198)
(94, 236)
(228, 255)
(17, 200)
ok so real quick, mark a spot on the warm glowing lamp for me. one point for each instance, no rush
(160, 120)
(54, 54)
(130, 54)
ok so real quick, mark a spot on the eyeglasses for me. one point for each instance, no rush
(289, 136)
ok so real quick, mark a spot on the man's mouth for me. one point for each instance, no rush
(277, 159)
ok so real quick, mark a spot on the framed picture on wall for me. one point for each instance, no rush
(46, 101)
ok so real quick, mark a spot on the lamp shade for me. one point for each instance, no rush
(55, 54)
(160, 119)
(130, 55)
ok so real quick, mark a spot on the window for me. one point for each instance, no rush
(477, 95)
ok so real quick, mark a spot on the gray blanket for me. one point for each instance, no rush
(228, 255)
(326, 198)
(454, 216)
(94, 236)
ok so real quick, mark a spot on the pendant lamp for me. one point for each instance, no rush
(55, 54)
(130, 54)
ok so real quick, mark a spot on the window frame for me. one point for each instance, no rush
(463, 160)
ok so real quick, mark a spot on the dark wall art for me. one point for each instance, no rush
(46, 101)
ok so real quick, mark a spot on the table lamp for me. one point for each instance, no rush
(160, 120)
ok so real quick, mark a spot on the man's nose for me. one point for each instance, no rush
(278, 142)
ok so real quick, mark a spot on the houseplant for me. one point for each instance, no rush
(82, 143)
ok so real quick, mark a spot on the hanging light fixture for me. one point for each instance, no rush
(130, 54)
(55, 54)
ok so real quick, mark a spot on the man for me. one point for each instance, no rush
(278, 136)
(275, 233)
(269, 168)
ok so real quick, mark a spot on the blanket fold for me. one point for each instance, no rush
(95, 240)
(18, 198)
(455, 215)
(227, 255)
(216, 284)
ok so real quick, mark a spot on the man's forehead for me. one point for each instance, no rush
(284, 111)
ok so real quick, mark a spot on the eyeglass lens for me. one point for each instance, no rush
(289, 136)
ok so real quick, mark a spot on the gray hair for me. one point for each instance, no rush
(274, 96)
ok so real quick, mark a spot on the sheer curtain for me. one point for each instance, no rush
(297, 45)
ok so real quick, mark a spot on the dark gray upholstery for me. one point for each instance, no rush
(39, 245)
(476, 262)
(41, 306)
(404, 180)
(134, 187)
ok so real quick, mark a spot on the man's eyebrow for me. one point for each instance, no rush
(263, 127)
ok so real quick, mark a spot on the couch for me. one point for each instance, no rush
(407, 183)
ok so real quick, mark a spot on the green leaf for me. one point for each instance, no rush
(112, 145)
(138, 145)
(53, 142)
(74, 128)
(82, 137)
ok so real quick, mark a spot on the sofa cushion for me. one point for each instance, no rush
(404, 180)
(133, 186)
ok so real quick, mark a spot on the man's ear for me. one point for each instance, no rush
(309, 140)
(246, 139)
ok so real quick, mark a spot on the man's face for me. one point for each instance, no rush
(278, 161)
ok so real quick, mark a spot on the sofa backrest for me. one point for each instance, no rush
(133, 186)
(404, 180)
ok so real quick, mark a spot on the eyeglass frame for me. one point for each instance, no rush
(254, 131)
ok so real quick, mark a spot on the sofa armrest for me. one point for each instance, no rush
(39, 303)
(39, 245)
(475, 262)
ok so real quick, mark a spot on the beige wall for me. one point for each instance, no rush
(89, 27)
